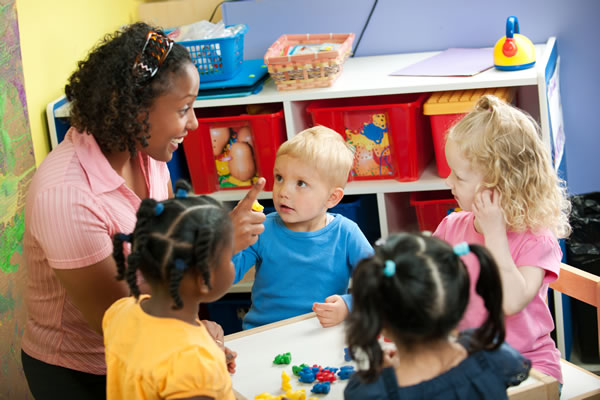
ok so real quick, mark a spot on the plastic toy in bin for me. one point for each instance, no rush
(447, 108)
(389, 134)
(233, 146)
(234, 155)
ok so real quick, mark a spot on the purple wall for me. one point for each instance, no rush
(402, 26)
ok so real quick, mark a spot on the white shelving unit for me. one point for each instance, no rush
(369, 76)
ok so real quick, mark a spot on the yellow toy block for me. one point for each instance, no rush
(266, 396)
(256, 206)
(297, 395)
(285, 382)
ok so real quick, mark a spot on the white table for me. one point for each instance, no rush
(309, 343)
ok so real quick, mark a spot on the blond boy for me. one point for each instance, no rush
(305, 257)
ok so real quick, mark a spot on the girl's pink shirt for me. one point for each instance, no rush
(76, 203)
(528, 331)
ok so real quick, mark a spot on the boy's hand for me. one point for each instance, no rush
(488, 213)
(247, 224)
(332, 312)
(230, 357)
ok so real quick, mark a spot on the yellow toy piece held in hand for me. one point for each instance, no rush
(256, 206)
(514, 51)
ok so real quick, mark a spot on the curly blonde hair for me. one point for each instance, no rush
(505, 145)
(325, 150)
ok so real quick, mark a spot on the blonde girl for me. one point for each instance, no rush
(515, 204)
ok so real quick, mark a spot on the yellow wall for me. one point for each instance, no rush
(54, 36)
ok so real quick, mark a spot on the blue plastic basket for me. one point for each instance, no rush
(217, 59)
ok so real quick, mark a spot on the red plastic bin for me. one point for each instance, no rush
(431, 207)
(445, 109)
(391, 135)
(231, 148)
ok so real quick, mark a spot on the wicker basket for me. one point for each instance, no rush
(303, 71)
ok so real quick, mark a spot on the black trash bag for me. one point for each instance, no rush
(583, 252)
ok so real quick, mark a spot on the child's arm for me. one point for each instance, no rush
(519, 285)
(244, 260)
(333, 311)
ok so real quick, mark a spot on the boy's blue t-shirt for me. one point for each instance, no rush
(296, 269)
(482, 375)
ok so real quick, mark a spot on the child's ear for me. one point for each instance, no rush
(335, 197)
(202, 285)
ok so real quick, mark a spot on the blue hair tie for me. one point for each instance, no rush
(123, 237)
(461, 249)
(181, 193)
(180, 265)
(158, 209)
(390, 268)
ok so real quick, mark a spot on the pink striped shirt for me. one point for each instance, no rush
(76, 202)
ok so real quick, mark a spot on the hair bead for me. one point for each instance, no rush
(462, 249)
(390, 268)
(180, 265)
(181, 193)
(159, 208)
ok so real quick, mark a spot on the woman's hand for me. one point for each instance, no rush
(247, 224)
(332, 312)
(216, 331)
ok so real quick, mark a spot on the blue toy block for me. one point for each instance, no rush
(345, 372)
(307, 375)
(347, 354)
(322, 387)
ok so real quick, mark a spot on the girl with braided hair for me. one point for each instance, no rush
(415, 290)
(155, 345)
(131, 106)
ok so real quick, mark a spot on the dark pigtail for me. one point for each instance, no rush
(490, 335)
(364, 324)
(119, 254)
(175, 276)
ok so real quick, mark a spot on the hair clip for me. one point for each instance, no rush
(181, 193)
(159, 208)
(156, 49)
(123, 237)
(461, 249)
(390, 268)
(180, 265)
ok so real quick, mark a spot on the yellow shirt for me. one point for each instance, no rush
(160, 358)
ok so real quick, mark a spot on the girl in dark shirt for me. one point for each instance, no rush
(414, 290)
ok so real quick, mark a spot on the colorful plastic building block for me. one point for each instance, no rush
(322, 387)
(266, 396)
(284, 358)
(326, 376)
(345, 371)
(297, 368)
(307, 375)
(285, 382)
(297, 395)
(347, 356)
(256, 206)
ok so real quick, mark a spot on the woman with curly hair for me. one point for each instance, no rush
(515, 204)
(131, 105)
